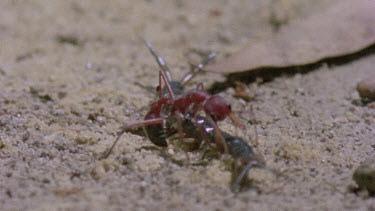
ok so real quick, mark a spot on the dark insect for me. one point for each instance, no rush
(176, 111)
(242, 154)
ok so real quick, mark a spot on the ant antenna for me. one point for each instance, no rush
(159, 60)
(197, 68)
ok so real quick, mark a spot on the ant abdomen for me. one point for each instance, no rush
(155, 132)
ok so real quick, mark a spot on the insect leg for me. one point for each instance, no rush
(204, 130)
(167, 85)
(181, 134)
(200, 86)
(219, 139)
(134, 125)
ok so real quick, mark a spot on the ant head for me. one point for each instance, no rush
(217, 108)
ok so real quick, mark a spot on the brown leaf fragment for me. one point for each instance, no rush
(344, 28)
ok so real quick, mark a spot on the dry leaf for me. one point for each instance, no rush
(344, 28)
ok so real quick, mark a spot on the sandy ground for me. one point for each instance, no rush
(73, 72)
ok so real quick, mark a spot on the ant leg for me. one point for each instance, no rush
(220, 141)
(167, 85)
(199, 122)
(181, 134)
(159, 60)
(134, 125)
(200, 86)
(197, 68)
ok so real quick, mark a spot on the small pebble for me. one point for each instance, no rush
(366, 88)
(364, 175)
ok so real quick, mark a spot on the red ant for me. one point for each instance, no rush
(174, 103)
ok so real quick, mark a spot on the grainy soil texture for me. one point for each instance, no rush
(73, 72)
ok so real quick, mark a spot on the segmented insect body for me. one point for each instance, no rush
(167, 105)
(243, 155)
(174, 102)
(175, 111)
(244, 158)
(156, 133)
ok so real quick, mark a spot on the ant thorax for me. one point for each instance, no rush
(177, 89)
